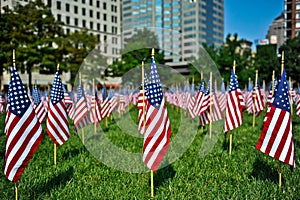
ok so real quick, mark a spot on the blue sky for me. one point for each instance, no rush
(250, 19)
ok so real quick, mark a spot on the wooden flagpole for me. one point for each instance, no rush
(82, 131)
(273, 84)
(152, 181)
(280, 164)
(16, 190)
(54, 148)
(14, 66)
(230, 136)
(210, 105)
(95, 120)
(201, 77)
(291, 89)
(254, 97)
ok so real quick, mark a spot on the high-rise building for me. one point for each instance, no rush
(181, 26)
(100, 18)
(275, 33)
(292, 17)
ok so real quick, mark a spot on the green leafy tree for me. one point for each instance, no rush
(266, 61)
(137, 49)
(223, 57)
(77, 47)
(292, 57)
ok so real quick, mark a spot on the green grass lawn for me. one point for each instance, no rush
(246, 174)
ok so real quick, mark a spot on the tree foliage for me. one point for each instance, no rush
(137, 49)
(39, 40)
(292, 57)
(266, 61)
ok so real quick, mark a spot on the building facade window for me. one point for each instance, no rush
(58, 5)
(67, 7)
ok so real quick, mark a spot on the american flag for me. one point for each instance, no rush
(57, 123)
(235, 105)
(276, 139)
(249, 98)
(259, 104)
(199, 98)
(104, 103)
(192, 101)
(95, 110)
(158, 128)
(298, 107)
(69, 103)
(216, 110)
(23, 129)
(113, 102)
(141, 105)
(1, 104)
(222, 97)
(38, 105)
(81, 116)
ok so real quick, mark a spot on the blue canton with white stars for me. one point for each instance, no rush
(36, 96)
(155, 94)
(207, 88)
(57, 92)
(201, 87)
(18, 99)
(80, 92)
(233, 82)
(281, 99)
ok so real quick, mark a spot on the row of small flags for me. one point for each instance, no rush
(25, 113)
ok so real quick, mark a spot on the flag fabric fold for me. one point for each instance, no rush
(81, 116)
(276, 139)
(38, 105)
(23, 129)
(235, 105)
(158, 127)
(57, 123)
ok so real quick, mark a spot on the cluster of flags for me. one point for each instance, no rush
(25, 113)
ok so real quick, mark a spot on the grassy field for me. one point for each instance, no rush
(246, 174)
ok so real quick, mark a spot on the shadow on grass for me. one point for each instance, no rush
(57, 181)
(262, 171)
(163, 175)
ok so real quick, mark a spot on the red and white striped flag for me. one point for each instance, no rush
(23, 129)
(104, 103)
(235, 105)
(158, 128)
(199, 99)
(95, 110)
(259, 104)
(1, 104)
(38, 105)
(141, 105)
(81, 116)
(297, 101)
(276, 139)
(57, 123)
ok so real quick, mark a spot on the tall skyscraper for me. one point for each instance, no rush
(292, 17)
(181, 26)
